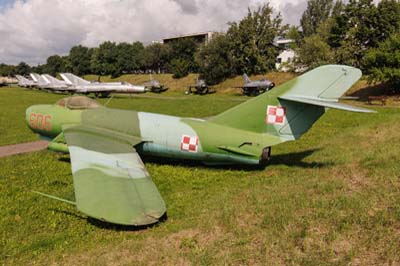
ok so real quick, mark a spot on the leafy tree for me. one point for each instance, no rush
(55, 64)
(182, 55)
(7, 70)
(383, 62)
(180, 67)
(294, 33)
(22, 69)
(314, 52)
(40, 69)
(104, 59)
(316, 13)
(355, 31)
(79, 60)
(215, 60)
(157, 57)
(252, 38)
(388, 12)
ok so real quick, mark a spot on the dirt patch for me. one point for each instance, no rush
(22, 148)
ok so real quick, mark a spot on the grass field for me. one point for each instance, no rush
(331, 198)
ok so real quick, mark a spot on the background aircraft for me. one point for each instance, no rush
(56, 84)
(24, 82)
(200, 87)
(81, 85)
(105, 145)
(40, 82)
(254, 88)
(154, 86)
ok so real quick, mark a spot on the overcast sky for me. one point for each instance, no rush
(32, 30)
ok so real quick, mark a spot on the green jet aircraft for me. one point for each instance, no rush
(110, 180)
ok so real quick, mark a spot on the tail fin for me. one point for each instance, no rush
(35, 77)
(289, 110)
(52, 80)
(21, 78)
(71, 79)
(39, 78)
(246, 78)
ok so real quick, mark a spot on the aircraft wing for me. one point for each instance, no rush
(110, 180)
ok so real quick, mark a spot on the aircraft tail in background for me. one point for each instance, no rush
(246, 79)
(71, 79)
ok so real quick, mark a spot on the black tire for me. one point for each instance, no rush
(204, 91)
(255, 92)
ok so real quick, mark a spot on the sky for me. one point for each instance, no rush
(32, 30)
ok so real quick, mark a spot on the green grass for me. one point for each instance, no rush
(331, 198)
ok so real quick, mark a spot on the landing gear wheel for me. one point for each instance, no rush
(204, 91)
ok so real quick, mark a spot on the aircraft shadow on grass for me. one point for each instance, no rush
(109, 226)
(288, 159)
(296, 159)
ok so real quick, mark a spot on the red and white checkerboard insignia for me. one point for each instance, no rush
(189, 143)
(275, 115)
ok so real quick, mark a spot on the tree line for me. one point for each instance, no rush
(357, 33)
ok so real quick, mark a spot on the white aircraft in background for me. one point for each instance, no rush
(24, 82)
(81, 85)
(40, 82)
(56, 84)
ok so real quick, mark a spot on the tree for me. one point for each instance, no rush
(355, 31)
(215, 60)
(79, 60)
(388, 19)
(314, 52)
(157, 57)
(383, 62)
(182, 57)
(7, 70)
(294, 34)
(23, 69)
(55, 64)
(180, 68)
(104, 60)
(316, 13)
(252, 38)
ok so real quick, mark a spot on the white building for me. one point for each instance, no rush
(285, 60)
(201, 37)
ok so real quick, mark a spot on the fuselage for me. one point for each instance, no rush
(117, 88)
(160, 135)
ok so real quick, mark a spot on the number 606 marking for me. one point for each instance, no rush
(40, 121)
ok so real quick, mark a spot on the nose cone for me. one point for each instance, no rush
(39, 119)
(29, 117)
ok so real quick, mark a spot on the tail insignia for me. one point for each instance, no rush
(275, 115)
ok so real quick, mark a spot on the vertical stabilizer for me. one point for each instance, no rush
(71, 79)
(246, 78)
(289, 110)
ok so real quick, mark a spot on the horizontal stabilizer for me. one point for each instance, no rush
(325, 103)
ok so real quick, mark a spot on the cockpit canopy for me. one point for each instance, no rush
(78, 103)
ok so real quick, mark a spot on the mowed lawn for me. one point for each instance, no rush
(331, 198)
